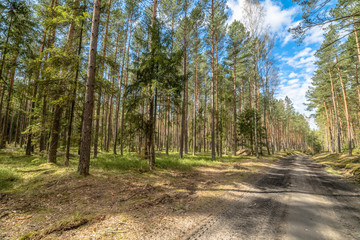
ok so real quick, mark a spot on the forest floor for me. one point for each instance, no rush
(274, 197)
(341, 164)
(121, 199)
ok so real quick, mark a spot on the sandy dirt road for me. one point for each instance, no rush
(296, 199)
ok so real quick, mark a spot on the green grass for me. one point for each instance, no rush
(33, 171)
(7, 178)
(132, 161)
(340, 162)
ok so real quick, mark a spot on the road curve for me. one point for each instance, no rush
(296, 199)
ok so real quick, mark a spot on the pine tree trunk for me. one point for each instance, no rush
(125, 93)
(336, 113)
(120, 89)
(98, 108)
(10, 139)
(217, 133)
(195, 95)
(205, 116)
(55, 132)
(34, 95)
(234, 106)
(72, 108)
(84, 160)
(329, 126)
(112, 95)
(184, 103)
(346, 107)
(213, 156)
(357, 89)
(5, 130)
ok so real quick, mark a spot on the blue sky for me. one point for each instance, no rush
(295, 62)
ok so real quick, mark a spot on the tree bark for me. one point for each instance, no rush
(329, 125)
(72, 108)
(5, 130)
(184, 103)
(84, 160)
(97, 125)
(213, 156)
(335, 112)
(346, 107)
(195, 93)
(125, 93)
(234, 126)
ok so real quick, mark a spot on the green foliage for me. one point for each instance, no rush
(246, 126)
(314, 142)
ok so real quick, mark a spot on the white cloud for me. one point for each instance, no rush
(293, 81)
(292, 75)
(304, 59)
(314, 35)
(287, 39)
(276, 18)
(296, 92)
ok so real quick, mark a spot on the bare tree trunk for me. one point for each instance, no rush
(5, 130)
(29, 140)
(55, 133)
(125, 93)
(205, 106)
(120, 87)
(357, 89)
(329, 125)
(112, 95)
(235, 117)
(346, 107)
(212, 83)
(335, 112)
(97, 126)
(195, 95)
(10, 139)
(84, 160)
(184, 103)
(72, 108)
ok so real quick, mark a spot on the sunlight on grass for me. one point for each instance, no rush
(342, 162)
(34, 171)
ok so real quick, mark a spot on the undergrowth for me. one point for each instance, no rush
(26, 173)
(7, 178)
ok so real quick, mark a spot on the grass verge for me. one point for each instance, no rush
(341, 164)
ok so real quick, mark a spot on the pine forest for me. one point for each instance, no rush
(144, 107)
